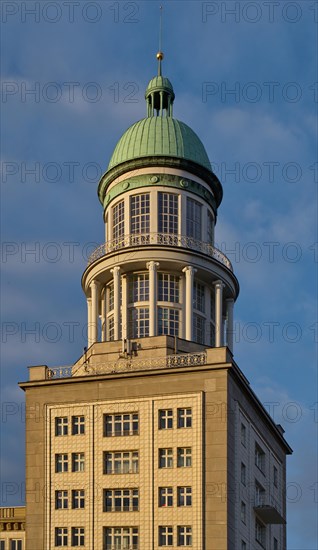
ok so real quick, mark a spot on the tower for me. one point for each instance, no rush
(158, 272)
(154, 437)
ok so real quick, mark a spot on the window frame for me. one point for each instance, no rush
(61, 425)
(182, 499)
(165, 497)
(165, 419)
(78, 462)
(184, 417)
(110, 499)
(62, 499)
(133, 462)
(119, 419)
(184, 458)
(165, 458)
(61, 460)
(78, 424)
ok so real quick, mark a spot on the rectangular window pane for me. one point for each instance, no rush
(121, 424)
(185, 418)
(165, 419)
(138, 288)
(61, 426)
(168, 321)
(138, 325)
(122, 462)
(140, 213)
(194, 216)
(168, 213)
(168, 288)
(78, 425)
(118, 220)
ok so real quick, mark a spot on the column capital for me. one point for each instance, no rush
(95, 283)
(219, 284)
(189, 269)
(115, 270)
(152, 266)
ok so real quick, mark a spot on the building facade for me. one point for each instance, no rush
(12, 528)
(154, 438)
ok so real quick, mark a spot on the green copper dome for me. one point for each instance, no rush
(159, 83)
(159, 136)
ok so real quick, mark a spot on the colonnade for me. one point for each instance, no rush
(98, 295)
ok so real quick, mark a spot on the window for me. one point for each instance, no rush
(260, 533)
(138, 288)
(168, 321)
(165, 458)
(78, 425)
(78, 499)
(111, 327)
(110, 296)
(275, 544)
(194, 219)
(210, 229)
(184, 418)
(168, 213)
(243, 434)
(184, 457)
(61, 536)
(121, 500)
(275, 476)
(165, 536)
(184, 496)
(165, 497)
(121, 538)
(198, 297)
(78, 536)
(259, 458)
(78, 462)
(2, 545)
(61, 500)
(165, 419)
(140, 213)
(198, 328)
(138, 322)
(260, 495)
(168, 288)
(15, 544)
(118, 220)
(243, 473)
(122, 462)
(243, 545)
(61, 463)
(121, 424)
(184, 535)
(61, 425)
(243, 512)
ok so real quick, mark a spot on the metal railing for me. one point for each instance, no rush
(129, 364)
(164, 239)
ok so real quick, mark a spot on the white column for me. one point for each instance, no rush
(94, 319)
(124, 302)
(152, 267)
(229, 328)
(104, 314)
(189, 275)
(116, 276)
(89, 322)
(218, 314)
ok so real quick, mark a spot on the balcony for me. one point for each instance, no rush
(161, 239)
(267, 510)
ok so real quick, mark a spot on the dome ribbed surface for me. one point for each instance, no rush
(159, 136)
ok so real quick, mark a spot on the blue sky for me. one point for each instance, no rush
(246, 82)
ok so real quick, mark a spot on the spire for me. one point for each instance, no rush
(159, 94)
(160, 55)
